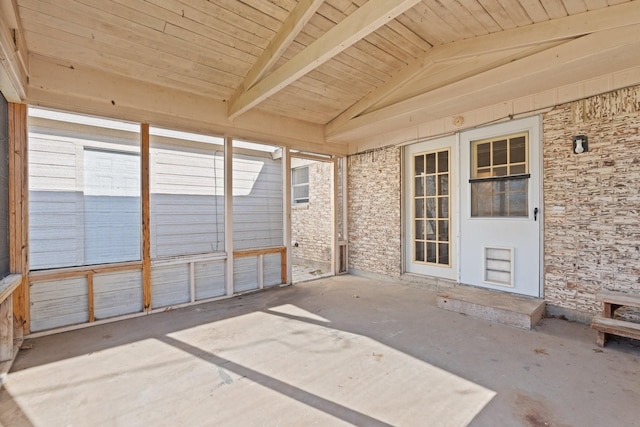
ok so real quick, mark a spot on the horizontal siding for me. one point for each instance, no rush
(245, 274)
(272, 269)
(58, 303)
(116, 294)
(187, 201)
(170, 285)
(257, 202)
(209, 279)
(186, 224)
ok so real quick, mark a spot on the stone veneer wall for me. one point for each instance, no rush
(592, 200)
(374, 227)
(311, 223)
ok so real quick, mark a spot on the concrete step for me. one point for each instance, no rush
(501, 307)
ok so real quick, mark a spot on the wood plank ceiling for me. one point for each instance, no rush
(278, 55)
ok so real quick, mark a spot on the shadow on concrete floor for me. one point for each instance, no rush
(339, 351)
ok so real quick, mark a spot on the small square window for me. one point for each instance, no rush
(300, 185)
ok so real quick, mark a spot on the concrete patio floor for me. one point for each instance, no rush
(337, 351)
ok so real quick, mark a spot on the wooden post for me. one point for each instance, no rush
(90, 303)
(6, 329)
(228, 213)
(287, 265)
(18, 214)
(146, 217)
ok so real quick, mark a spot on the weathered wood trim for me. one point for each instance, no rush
(284, 266)
(90, 301)
(9, 284)
(286, 215)
(228, 214)
(14, 58)
(18, 213)
(146, 216)
(66, 273)
(262, 251)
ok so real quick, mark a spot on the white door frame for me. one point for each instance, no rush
(534, 126)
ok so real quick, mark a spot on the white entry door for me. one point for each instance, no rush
(431, 202)
(501, 217)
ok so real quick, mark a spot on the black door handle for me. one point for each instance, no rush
(535, 214)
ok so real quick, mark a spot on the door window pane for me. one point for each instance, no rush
(499, 183)
(431, 207)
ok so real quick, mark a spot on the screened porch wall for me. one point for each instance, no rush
(72, 284)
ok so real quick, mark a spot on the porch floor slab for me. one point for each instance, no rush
(501, 307)
(340, 351)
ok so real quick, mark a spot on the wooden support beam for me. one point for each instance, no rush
(294, 23)
(146, 217)
(90, 301)
(286, 263)
(584, 58)
(543, 32)
(366, 19)
(261, 251)
(228, 214)
(100, 93)
(66, 273)
(14, 55)
(283, 266)
(18, 214)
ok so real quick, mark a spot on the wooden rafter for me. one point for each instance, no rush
(13, 53)
(353, 28)
(294, 23)
(548, 31)
(579, 59)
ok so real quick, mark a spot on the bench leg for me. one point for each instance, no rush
(601, 339)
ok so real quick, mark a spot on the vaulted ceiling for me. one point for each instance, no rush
(336, 69)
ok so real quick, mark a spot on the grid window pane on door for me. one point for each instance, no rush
(300, 185)
(431, 202)
(500, 176)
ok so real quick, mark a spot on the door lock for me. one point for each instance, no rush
(535, 214)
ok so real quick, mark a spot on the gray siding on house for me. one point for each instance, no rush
(59, 303)
(187, 201)
(209, 279)
(117, 294)
(245, 274)
(272, 269)
(257, 202)
(170, 285)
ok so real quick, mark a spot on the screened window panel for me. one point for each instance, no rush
(84, 191)
(257, 201)
(187, 198)
(112, 209)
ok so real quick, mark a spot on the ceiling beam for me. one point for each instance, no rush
(584, 58)
(547, 31)
(366, 19)
(294, 23)
(13, 54)
(61, 85)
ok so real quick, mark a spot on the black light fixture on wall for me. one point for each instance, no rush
(580, 144)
